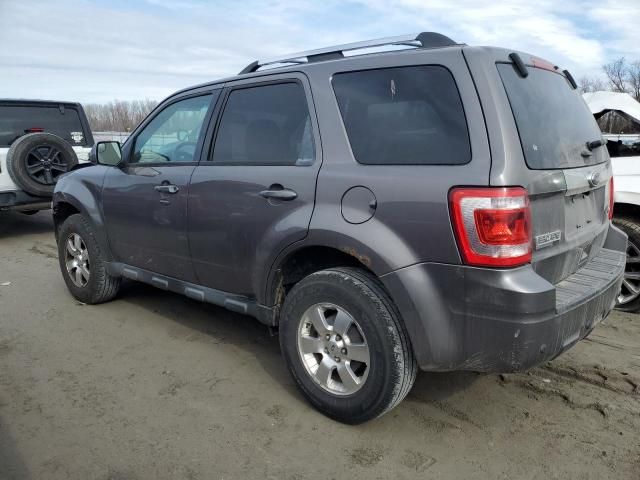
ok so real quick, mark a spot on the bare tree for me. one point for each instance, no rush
(591, 84)
(118, 115)
(616, 72)
(633, 79)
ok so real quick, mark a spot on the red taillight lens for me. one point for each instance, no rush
(502, 227)
(492, 225)
(610, 199)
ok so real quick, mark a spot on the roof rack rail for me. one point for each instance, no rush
(418, 40)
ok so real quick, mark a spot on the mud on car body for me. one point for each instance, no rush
(39, 141)
(440, 207)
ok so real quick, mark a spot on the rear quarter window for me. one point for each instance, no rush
(403, 116)
(17, 120)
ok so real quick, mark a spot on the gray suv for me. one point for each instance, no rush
(428, 205)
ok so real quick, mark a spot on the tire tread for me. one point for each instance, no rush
(403, 369)
(631, 226)
(107, 286)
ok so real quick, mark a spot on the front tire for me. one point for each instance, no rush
(345, 345)
(629, 297)
(83, 263)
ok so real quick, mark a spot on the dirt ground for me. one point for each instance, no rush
(157, 386)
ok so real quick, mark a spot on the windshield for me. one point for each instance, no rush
(553, 120)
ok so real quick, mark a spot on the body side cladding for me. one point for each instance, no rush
(230, 301)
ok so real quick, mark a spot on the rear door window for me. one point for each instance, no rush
(403, 116)
(265, 125)
(16, 120)
(553, 120)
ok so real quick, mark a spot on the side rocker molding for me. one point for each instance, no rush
(230, 301)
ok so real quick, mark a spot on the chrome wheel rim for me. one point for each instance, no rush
(77, 260)
(631, 281)
(333, 349)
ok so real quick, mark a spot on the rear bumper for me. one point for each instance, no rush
(466, 318)
(20, 200)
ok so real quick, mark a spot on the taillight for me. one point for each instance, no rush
(609, 198)
(492, 225)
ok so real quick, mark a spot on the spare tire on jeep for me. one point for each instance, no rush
(36, 160)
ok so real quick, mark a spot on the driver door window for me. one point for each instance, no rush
(172, 136)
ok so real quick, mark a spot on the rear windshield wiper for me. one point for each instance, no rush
(596, 143)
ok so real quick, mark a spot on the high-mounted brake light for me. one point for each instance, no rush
(492, 225)
(34, 130)
(540, 63)
(609, 198)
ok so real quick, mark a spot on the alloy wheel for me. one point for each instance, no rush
(631, 282)
(333, 349)
(77, 260)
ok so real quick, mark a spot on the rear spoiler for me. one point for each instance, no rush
(522, 69)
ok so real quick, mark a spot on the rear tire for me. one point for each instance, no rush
(375, 323)
(83, 264)
(628, 299)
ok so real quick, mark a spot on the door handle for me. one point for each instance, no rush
(166, 188)
(278, 192)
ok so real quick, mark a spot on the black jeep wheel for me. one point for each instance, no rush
(36, 161)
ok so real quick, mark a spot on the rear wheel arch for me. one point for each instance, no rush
(303, 261)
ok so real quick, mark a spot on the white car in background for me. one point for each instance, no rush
(39, 141)
(624, 150)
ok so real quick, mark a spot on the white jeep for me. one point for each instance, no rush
(39, 141)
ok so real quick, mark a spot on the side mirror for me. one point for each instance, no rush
(106, 153)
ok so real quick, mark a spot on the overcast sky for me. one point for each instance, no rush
(125, 49)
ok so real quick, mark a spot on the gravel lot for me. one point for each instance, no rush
(154, 385)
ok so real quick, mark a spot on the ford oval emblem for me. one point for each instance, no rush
(594, 179)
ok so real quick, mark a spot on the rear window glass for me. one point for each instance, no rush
(16, 121)
(403, 116)
(553, 120)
